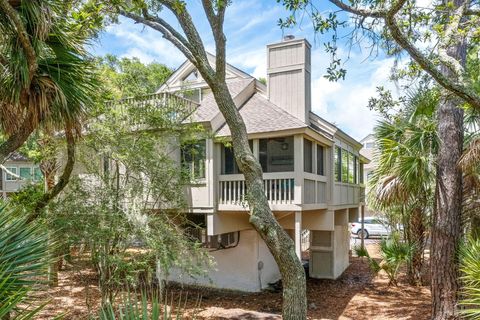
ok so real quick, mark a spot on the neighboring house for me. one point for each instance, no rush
(20, 170)
(368, 151)
(313, 172)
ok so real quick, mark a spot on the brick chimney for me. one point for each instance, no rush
(288, 76)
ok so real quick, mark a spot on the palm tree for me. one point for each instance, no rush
(46, 77)
(405, 176)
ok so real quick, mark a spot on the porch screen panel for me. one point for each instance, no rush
(307, 156)
(320, 169)
(276, 154)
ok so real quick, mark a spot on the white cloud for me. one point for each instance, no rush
(345, 102)
(143, 42)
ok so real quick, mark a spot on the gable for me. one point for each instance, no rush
(187, 76)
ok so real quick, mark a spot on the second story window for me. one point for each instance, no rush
(344, 166)
(307, 156)
(276, 154)
(192, 94)
(26, 173)
(8, 176)
(193, 157)
(338, 164)
(351, 168)
(229, 164)
(348, 168)
(37, 174)
(320, 161)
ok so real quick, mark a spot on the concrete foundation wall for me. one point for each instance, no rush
(342, 244)
(247, 267)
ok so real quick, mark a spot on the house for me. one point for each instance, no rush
(313, 172)
(19, 171)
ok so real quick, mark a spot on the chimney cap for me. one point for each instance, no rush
(288, 37)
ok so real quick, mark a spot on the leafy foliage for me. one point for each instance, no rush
(24, 253)
(149, 307)
(127, 77)
(62, 86)
(395, 253)
(469, 254)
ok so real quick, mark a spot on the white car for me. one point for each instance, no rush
(372, 226)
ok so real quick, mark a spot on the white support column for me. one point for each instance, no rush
(298, 169)
(298, 234)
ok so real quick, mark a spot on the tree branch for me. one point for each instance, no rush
(17, 138)
(446, 41)
(388, 16)
(22, 36)
(359, 11)
(194, 39)
(216, 24)
(472, 12)
(453, 86)
(64, 178)
(167, 31)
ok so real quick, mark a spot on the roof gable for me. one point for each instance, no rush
(177, 80)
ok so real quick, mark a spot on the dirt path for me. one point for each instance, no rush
(357, 294)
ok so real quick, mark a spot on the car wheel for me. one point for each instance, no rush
(362, 233)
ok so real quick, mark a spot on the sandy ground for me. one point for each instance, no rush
(357, 294)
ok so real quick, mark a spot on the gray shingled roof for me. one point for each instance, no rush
(208, 108)
(260, 115)
(16, 156)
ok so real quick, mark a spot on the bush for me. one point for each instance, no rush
(132, 308)
(24, 260)
(469, 255)
(394, 252)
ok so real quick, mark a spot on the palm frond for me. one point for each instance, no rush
(470, 269)
(471, 156)
(24, 253)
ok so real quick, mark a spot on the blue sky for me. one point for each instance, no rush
(249, 26)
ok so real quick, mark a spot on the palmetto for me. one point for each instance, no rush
(24, 256)
(46, 79)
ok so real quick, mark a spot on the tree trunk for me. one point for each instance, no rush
(261, 217)
(416, 238)
(16, 139)
(446, 230)
(447, 219)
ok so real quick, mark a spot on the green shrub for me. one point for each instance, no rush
(469, 255)
(394, 253)
(24, 253)
(148, 307)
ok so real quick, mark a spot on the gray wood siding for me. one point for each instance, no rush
(286, 55)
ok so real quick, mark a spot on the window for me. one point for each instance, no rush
(361, 172)
(192, 76)
(338, 164)
(229, 164)
(8, 176)
(307, 156)
(193, 159)
(276, 154)
(192, 94)
(26, 173)
(369, 145)
(344, 166)
(351, 168)
(320, 169)
(355, 168)
(37, 174)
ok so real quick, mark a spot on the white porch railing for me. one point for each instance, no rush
(279, 190)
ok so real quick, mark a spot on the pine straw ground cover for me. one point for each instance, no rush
(357, 294)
